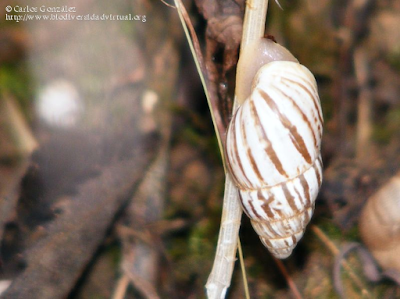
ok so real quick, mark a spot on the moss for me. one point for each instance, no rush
(381, 134)
(330, 229)
(393, 58)
(199, 241)
(328, 107)
(192, 255)
(393, 119)
(15, 80)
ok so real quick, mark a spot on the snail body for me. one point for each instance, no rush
(380, 224)
(273, 148)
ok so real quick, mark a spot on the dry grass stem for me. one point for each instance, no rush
(122, 286)
(201, 69)
(221, 274)
(364, 124)
(142, 285)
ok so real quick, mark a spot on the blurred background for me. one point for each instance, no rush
(111, 181)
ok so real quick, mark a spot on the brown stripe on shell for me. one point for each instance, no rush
(289, 197)
(269, 149)
(271, 230)
(266, 206)
(306, 120)
(298, 194)
(311, 93)
(317, 174)
(230, 168)
(267, 209)
(250, 156)
(296, 138)
(267, 242)
(268, 226)
(307, 217)
(261, 196)
(254, 210)
(319, 130)
(236, 151)
(266, 201)
(306, 188)
(243, 206)
(319, 127)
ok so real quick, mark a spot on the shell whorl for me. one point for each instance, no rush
(273, 153)
(380, 224)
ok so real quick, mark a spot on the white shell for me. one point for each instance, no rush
(273, 153)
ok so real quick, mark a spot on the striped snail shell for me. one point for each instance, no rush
(273, 152)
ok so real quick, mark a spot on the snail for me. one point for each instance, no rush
(273, 144)
(379, 224)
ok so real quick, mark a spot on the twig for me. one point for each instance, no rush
(368, 264)
(289, 279)
(355, 22)
(364, 127)
(142, 285)
(335, 251)
(199, 61)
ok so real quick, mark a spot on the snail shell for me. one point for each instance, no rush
(380, 224)
(273, 153)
